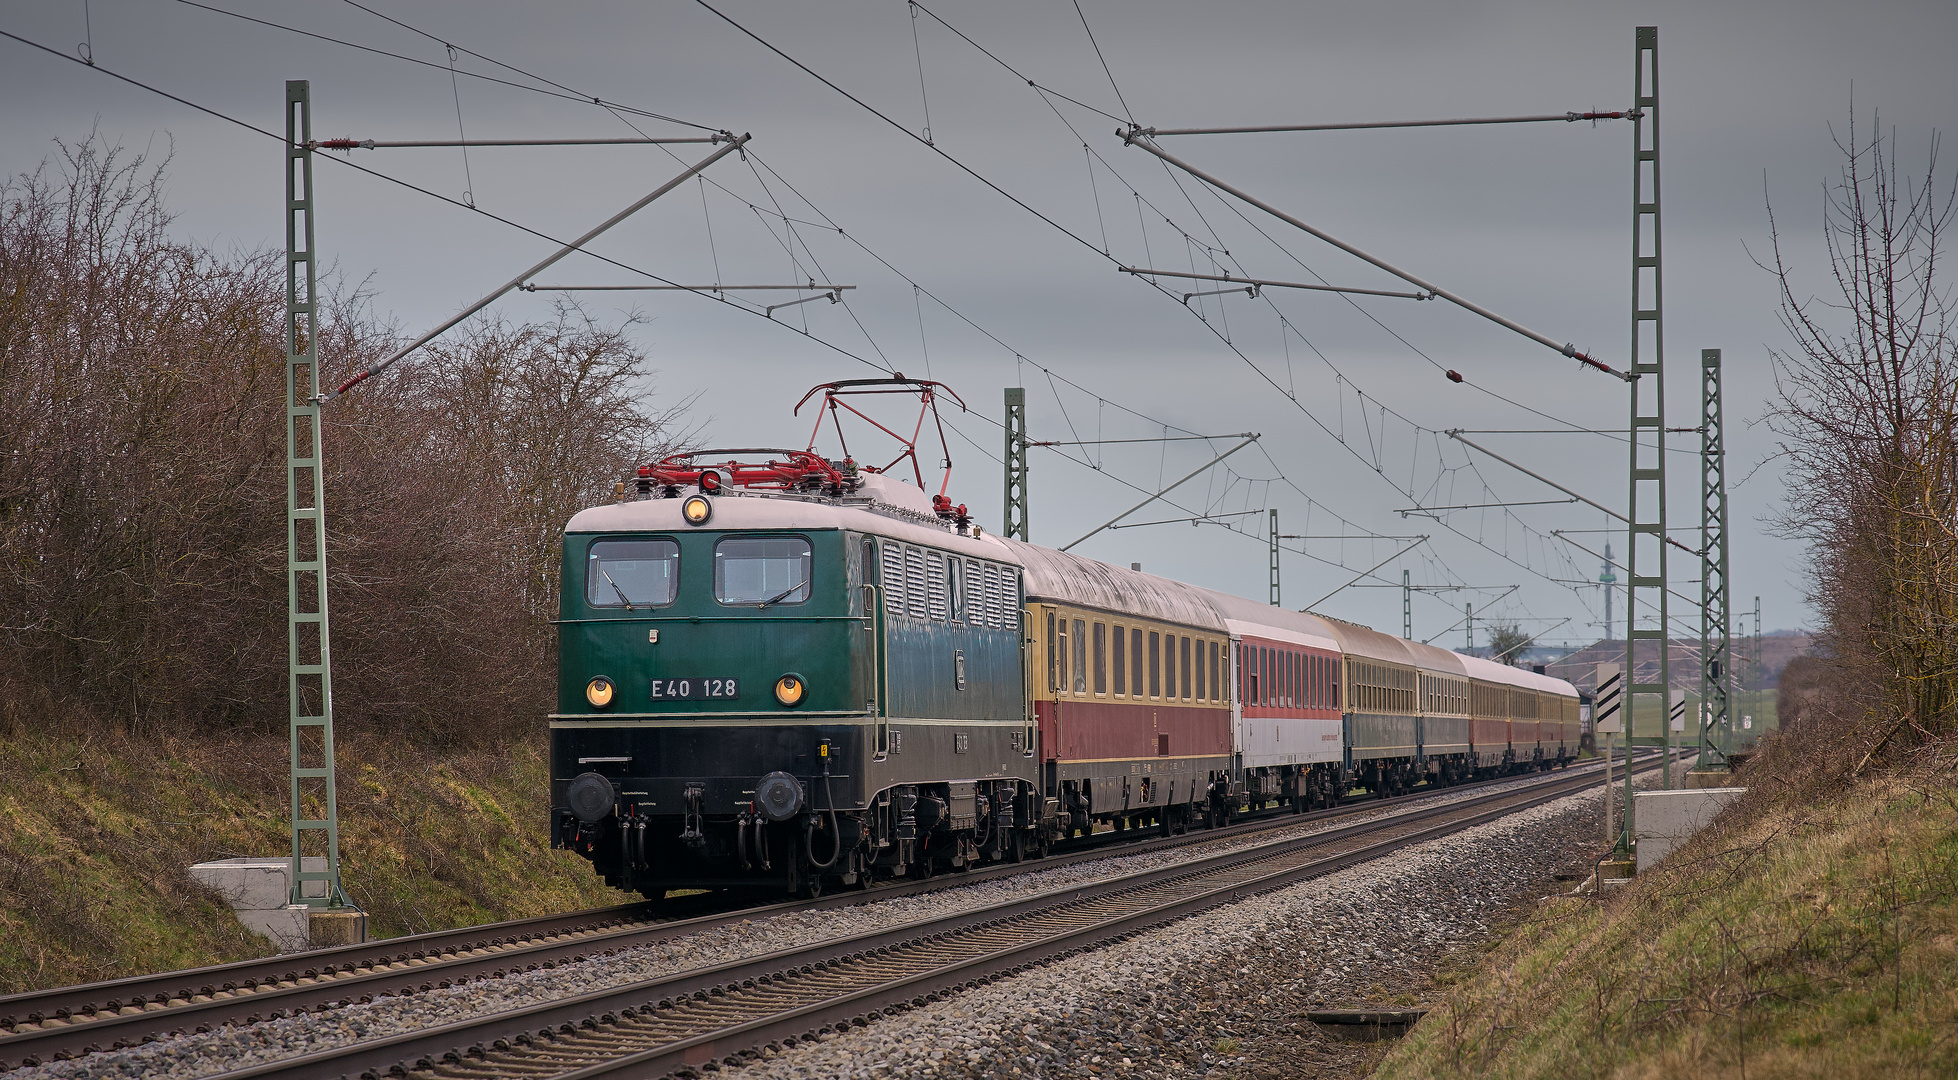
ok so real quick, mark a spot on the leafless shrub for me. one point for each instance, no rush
(142, 487)
(1867, 416)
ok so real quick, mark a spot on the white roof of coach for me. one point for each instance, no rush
(1072, 579)
(1521, 678)
(1279, 624)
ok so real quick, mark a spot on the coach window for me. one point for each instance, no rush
(1185, 650)
(1135, 662)
(1200, 684)
(631, 573)
(761, 571)
(1155, 664)
(1121, 661)
(1216, 687)
(1080, 656)
(1101, 658)
(1056, 653)
(1169, 666)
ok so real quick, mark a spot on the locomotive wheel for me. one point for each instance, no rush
(1016, 846)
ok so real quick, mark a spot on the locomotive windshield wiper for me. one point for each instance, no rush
(615, 588)
(781, 596)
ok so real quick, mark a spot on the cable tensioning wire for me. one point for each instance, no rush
(443, 198)
(783, 216)
(1077, 238)
(251, 127)
(567, 94)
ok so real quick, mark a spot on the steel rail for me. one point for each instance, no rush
(712, 1013)
(65, 1022)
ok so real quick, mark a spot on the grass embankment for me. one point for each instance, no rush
(96, 833)
(1797, 937)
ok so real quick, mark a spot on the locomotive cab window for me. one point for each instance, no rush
(762, 571)
(631, 573)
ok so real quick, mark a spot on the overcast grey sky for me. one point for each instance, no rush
(1532, 221)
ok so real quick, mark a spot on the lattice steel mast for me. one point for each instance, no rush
(1275, 601)
(1646, 509)
(1716, 591)
(309, 669)
(1016, 463)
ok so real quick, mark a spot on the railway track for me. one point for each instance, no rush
(64, 1023)
(688, 1019)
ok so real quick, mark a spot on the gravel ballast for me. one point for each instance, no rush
(1376, 920)
(1224, 994)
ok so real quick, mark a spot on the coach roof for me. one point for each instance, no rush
(1057, 577)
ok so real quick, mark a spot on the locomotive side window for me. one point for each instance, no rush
(955, 588)
(1121, 661)
(1080, 657)
(762, 572)
(1101, 658)
(631, 573)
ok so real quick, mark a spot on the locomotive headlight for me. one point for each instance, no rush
(599, 691)
(789, 690)
(696, 509)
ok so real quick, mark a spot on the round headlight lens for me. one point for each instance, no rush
(599, 691)
(696, 509)
(789, 690)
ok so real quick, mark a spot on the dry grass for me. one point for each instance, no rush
(96, 833)
(1798, 937)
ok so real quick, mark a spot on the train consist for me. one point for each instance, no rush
(797, 673)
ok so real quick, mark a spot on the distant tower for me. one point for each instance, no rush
(1609, 579)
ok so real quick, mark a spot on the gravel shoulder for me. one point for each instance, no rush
(1225, 995)
(1343, 943)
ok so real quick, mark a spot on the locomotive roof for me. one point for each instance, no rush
(1074, 579)
(742, 510)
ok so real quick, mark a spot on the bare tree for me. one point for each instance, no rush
(1867, 416)
(142, 487)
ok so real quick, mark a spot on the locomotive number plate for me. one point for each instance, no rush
(696, 689)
